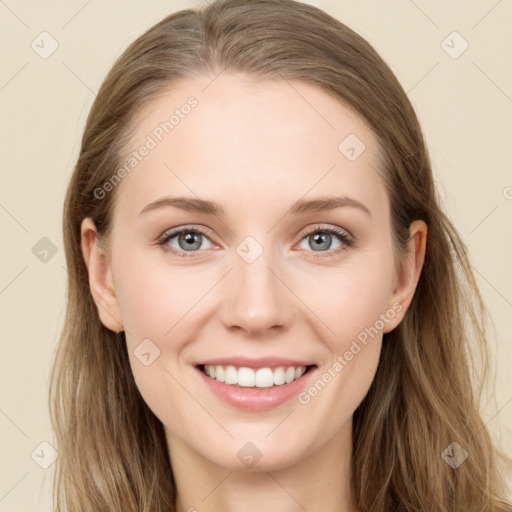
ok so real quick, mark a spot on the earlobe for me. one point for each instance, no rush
(410, 272)
(100, 277)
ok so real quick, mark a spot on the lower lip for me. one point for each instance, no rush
(256, 399)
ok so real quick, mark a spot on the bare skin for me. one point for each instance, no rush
(255, 147)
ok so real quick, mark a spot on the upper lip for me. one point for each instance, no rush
(262, 362)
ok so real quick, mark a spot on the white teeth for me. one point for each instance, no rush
(289, 374)
(264, 378)
(279, 376)
(250, 378)
(246, 377)
(231, 375)
(219, 373)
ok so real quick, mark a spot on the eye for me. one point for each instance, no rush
(188, 239)
(183, 240)
(321, 238)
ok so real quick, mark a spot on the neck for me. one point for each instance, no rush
(318, 481)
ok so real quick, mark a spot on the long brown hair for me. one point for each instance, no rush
(433, 367)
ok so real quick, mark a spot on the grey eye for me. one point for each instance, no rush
(188, 240)
(320, 241)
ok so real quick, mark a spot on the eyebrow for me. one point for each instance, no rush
(212, 208)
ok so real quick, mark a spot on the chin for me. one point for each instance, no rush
(253, 457)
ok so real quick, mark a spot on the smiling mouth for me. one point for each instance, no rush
(254, 377)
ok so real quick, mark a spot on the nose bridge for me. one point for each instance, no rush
(254, 297)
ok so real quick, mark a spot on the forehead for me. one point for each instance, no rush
(236, 137)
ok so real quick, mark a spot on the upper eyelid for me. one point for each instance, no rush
(171, 233)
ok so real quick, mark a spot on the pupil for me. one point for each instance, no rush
(190, 239)
(322, 238)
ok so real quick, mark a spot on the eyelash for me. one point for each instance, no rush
(347, 241)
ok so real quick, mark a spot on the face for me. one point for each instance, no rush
(274, 278)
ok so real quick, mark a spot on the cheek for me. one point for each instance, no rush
(351, 300)
(170, 305)
(353, 307)
(157, 307)
(161, 302)
(153, 298)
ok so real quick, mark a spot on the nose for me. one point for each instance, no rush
(255, 298)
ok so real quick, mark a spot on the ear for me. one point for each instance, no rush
(100, 277)
(409, 274)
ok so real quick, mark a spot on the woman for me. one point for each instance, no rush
(267, 306)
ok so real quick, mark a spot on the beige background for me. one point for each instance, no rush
(464, 105)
